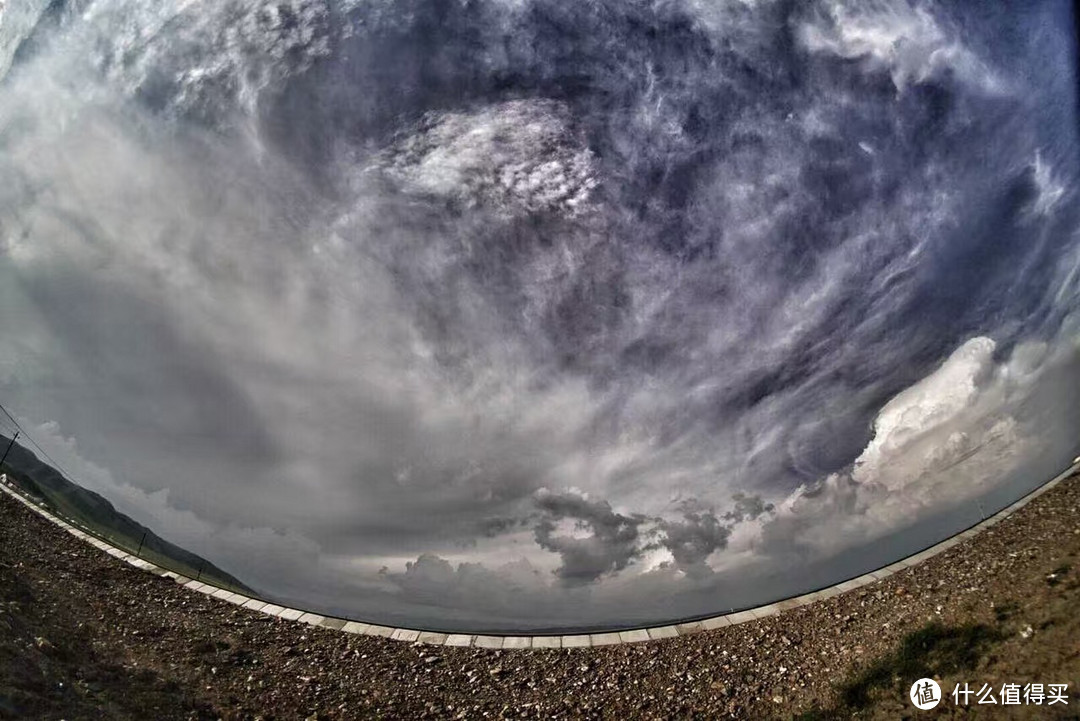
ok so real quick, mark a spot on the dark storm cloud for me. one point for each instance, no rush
(694, 539)
(496, 526)
(611, 545)
(747, 507)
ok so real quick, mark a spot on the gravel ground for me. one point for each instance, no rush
(84, 636)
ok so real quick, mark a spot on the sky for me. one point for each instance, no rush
(520, 314)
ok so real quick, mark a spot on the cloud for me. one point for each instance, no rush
(692, 540)
(519, 156)
(255, 552)
(748, 508)
(964, 429)
(921, 412)
(496, 525)
(612, 542)
(319, 296)
(1049, 190)
(906, 39)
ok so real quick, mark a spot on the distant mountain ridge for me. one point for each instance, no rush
(37, 478)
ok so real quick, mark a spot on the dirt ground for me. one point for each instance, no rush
(84, 636)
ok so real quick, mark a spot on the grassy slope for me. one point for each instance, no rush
(97, 516)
